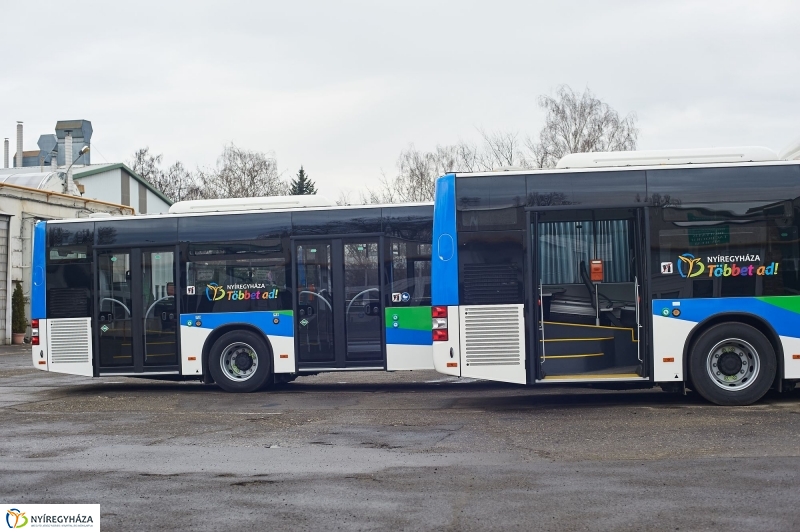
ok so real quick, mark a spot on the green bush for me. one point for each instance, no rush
(18, 323)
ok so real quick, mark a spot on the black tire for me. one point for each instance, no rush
(742, 360)
(236, 344)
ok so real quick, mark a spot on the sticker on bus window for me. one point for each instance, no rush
(397, 297)
(666, 267)
(190, 290)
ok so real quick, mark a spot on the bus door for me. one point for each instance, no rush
(338, 304)
(135, 324)
(588, 285)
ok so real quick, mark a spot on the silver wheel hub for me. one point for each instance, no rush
(733, 364)
(239, 361)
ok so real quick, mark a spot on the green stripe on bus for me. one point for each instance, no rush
(415, 318)
(790, 303)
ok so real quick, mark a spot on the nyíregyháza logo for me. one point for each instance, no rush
(724, 266)
(239, 292)
(16, 518)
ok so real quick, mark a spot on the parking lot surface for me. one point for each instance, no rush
(400, 451)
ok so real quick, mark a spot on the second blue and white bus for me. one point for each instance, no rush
(631, 269)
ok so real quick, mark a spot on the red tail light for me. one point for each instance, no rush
(34, 340)
(439, 312)
(35, 324)
(440, 335)
(35, 332)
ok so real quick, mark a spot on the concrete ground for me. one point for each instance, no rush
(401, 451)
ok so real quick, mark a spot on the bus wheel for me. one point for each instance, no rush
(240, 361)
(732, 364)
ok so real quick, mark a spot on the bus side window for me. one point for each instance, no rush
(410, 273)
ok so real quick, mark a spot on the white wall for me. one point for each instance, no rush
(107, 186)
(104, 186)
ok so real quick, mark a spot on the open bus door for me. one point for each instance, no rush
(589, 267)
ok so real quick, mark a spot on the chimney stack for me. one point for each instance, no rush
(5, 154)
(68, 161)
(18, 162)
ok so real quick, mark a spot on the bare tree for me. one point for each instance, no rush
(147, 165)
(242, 174)
(577, 123)
(176, 183)
(418, 170)
(180, 184)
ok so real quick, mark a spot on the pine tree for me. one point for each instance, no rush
(302, 185)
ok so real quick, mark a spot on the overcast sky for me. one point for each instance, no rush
(342, 87)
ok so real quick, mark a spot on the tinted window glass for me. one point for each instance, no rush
(72, 234)
(336, 222)
(721, 256)
(409, 273)
(233, 227)
(412, 223)
(490, 203)
(545, 190)
(490, 267)
(69, 288)
(137, 231)
(680, 186)
(609, 188)
(238, 284)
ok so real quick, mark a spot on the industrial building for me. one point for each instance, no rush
(54, 182)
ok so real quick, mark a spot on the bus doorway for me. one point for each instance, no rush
(136, 318)
(587, 272)
(339, 316)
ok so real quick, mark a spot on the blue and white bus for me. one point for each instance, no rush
(631, 269)
(245, 293)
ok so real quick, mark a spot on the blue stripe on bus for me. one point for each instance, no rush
(38, 286)
(263, 320)
(784, 321)
(408, 336)
(444, 259)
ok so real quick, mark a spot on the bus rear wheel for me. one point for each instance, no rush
(732, 364)
(240, 361)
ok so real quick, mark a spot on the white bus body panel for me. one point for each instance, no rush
(441, 350)
(493, 342)
(194, 338)
(791, 347)
(669, 340)
(192, 341)
(68, 345)
(401, 357)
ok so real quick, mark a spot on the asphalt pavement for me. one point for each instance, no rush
(395, 451)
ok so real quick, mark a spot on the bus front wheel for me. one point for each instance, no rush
(240, 361)
(732, 364)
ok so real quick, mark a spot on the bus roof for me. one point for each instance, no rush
(251, 211)
(667, 157)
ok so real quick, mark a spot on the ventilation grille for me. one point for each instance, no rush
(69, 340)
(486, 284)
(492, 335)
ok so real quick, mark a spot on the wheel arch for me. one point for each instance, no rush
(757, 322)
(228, 327)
